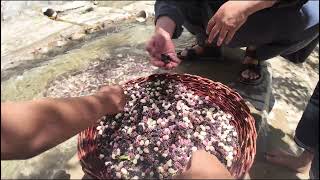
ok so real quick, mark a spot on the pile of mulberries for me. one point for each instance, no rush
(162, 124)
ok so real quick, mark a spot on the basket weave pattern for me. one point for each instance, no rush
(227, 99)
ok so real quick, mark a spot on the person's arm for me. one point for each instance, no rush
(231, 16)
(32, 127)
(168, 17)
(168, 26)
(165, 26)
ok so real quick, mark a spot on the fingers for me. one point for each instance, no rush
(214, 32)
(229, 36)
(151, 47)
(159, 45)
(210, 25)
(222, 35)
(161, 64)
(171, 65)
(114, 98)
(175, 61)
(154, 61)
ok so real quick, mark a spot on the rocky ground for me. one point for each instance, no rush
(99, 44)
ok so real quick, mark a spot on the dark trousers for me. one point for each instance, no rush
(307, 131)
(273, 31)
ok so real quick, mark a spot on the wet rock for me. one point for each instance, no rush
(77, 36)
(50, 13)
(88, 9)
(89, 30)
(142, 16)
(61, 174)
(41, 50)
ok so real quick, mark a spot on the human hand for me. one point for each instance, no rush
(227, 20)
(204, 165)
(114, 98)
(161, 43)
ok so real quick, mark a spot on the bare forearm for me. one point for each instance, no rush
(165, 26)
(36, 126)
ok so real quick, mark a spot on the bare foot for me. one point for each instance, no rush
(250, 73)
(299, 164)
(198, 50)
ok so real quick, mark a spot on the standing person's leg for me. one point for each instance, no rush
(314, 172)
(307, 137)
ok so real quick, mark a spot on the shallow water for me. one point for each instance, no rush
(31, 84)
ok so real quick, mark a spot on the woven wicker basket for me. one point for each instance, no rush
(227, 99)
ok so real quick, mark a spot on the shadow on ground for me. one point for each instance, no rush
(49, 165)
(227, 70)
(291, 91)
(268, 139)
